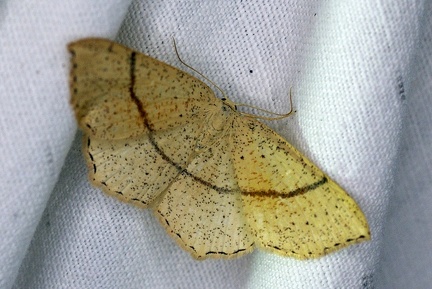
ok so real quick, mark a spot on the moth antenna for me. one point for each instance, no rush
(225, 97)
(232, 104)
(278, 115)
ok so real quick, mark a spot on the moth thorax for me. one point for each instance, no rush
(214, 127)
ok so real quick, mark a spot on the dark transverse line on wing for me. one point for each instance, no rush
(143, 114)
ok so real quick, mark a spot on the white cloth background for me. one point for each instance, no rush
(361, 78)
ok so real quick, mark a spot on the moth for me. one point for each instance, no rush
(220, 182)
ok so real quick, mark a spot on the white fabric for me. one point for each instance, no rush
(361, 78)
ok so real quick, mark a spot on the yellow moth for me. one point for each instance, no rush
(220, 182)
